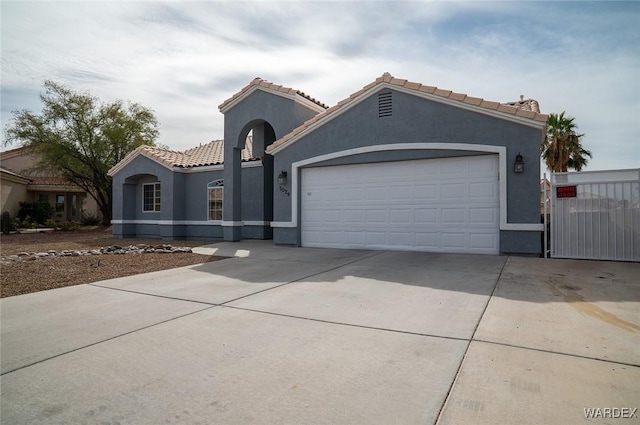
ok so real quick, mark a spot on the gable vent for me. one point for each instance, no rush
(384, 105)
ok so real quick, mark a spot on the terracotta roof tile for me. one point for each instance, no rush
(49, 181)
(528, 114)
(443, 93)
(473, 100)
(427, 89)
(508, 109)
(457, 96)
(411, 85)
(211, 153)
(489, 104)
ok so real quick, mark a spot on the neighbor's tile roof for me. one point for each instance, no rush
(271, 86)
(389, 79)
(49, 181)
(211, 153)
(525, 104)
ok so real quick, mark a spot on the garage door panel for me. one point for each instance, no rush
(353, 194)
(453, 191)
(448, 205)
(426, 192)
(376, 238)
(352, 216)
(425, 215)
(454, 215)
(401, 193)
(400, 239)
(401, 216)
(483, 216)
(376, 217)
(453, 240)
(427, 240)
(482, 241)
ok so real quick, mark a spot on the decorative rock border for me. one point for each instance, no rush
(110, 250)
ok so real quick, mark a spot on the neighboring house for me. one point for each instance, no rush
(396, 165)
(21, 184)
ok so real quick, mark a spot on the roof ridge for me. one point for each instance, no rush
(259, 82)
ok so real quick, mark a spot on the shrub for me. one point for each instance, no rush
(70, 226)
(6, 223)
(38, 212)
(50, 223)
(89, 220)
(27, 222)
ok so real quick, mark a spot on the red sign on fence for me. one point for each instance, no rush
(566, 192)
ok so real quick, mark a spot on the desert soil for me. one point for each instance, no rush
(23, 277)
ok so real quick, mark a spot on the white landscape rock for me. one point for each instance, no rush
(114, 249)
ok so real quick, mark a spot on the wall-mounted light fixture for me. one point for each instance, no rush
(282, 182)
(518, 166)
(282, 178)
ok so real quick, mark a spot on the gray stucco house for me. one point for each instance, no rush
(396, 165)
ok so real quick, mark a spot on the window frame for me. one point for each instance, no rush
(60, 205)
(156, 205)
(216, 186)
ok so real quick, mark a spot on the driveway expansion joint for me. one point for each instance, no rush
(353, 325)
(559, 353)
(466, 351)
(106, 340)
(153, 295)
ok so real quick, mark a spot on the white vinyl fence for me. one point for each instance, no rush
(596, 215)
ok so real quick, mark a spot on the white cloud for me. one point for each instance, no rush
(184, 59)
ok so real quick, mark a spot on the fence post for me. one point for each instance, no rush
(544, 201)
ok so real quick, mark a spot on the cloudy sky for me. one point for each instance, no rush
(183, 59)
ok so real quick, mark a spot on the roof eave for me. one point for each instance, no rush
(15, 178)
(130, 157)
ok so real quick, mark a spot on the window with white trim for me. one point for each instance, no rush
(151, 197)
(215, 193)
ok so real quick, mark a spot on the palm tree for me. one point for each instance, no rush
(562, 148)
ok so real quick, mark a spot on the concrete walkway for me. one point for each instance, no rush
(315, 336)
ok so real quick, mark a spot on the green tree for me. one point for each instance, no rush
(80, 138)
(562, 148)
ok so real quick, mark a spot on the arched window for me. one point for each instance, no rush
(215, 191)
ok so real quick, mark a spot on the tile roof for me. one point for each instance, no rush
(211, 153)
(264, 84)
(49, 181)
(388, 79)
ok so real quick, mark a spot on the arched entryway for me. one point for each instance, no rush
(249, 200)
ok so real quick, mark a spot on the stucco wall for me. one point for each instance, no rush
(418, 120)
(12, 194)
(184, 202)
(282, 114)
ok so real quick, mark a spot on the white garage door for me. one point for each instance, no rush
(443, 205)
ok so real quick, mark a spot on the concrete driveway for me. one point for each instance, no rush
(313, 336)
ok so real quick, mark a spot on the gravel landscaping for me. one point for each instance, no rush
(31, 262)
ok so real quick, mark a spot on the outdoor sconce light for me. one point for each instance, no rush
(282, 178)
(518, 166)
